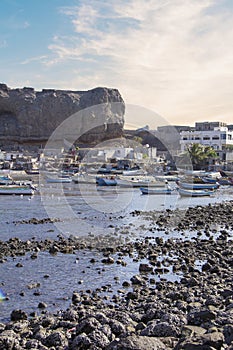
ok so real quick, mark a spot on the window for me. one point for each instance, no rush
(206, 138)
(216, 137)
(223, 136)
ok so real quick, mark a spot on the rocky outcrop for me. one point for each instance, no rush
(28, 116)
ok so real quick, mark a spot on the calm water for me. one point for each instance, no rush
(83, 210)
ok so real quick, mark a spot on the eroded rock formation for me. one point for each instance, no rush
(29, 116)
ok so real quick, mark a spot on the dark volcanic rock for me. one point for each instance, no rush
(17, 315)
(191, 313)
(137, 343)
(29, 116)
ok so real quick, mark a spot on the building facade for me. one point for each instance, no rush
(213, 134)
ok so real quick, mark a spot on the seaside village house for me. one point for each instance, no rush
(217, 135)
(103, 155)
(13, 159)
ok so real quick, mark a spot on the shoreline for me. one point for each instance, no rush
(193, 313)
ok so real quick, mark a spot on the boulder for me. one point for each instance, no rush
(134, 342)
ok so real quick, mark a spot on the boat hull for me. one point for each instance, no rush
(194, 193)
(146, 190)
(197, 186)
(140, 181)
(59, 180)
(101, 181)
(16, 190)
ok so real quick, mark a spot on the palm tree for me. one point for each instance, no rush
(200, 155)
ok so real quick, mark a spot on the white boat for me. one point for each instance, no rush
(16, 190)
(166, 178)
(59, 179)
(16, 175)
(133, 172)
(148, 190)
(194, 193)
(33, 172)
(197, 186)
(139, 181)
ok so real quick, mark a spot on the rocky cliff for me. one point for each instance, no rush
(29, 116)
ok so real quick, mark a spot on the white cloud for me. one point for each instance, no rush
(42, 59)
(175, 56)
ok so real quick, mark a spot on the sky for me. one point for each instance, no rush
(171, 57)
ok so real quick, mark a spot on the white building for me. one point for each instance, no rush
(208, 134)
(105, 154)
(218, 138)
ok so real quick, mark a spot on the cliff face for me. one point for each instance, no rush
(28, 116)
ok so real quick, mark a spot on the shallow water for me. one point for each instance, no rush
(83, 211)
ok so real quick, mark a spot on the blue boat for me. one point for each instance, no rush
(147, 190)
(106, 181)
(209, 180)
(197, 186)
(5, 180)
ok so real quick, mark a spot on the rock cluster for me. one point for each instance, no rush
(189, 313)
(29, 116)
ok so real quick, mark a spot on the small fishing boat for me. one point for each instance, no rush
(33, 172)
(194, 193)
(58, 178)
(167, 178)
(197, 186)
(133, 172)
(226, 181)
(106, 181)
(5, 180)
(16, 190)
(209, 180)
(148, 190)
(139, 181)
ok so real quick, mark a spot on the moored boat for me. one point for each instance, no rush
(197, 186)
(5, 180)
(148, 190)
(133, 172)
(106, 181)
(194, 193)
(139, 181)
(167, 178)
(209, 180)
(33, 172)
(16, 190)
(226, 181)
(58, 178)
